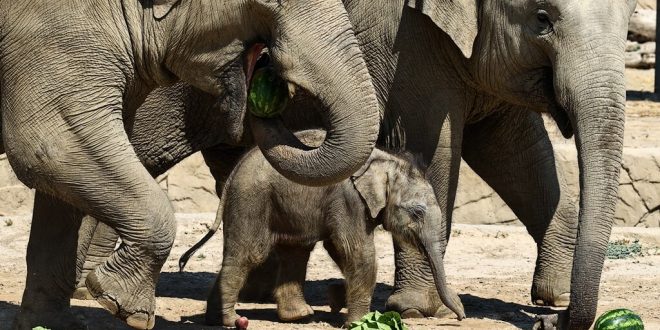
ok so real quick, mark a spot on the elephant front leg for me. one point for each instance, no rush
(414, 294)
(511, 151)
(51, 271)
(358, 264)
(291, 304)
(96, 242)
(240, 257)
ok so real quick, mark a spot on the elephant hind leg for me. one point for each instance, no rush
(511, 151)
(51, 272)
(291, 304)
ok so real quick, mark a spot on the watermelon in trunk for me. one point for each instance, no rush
(268, 93)
(619, 319)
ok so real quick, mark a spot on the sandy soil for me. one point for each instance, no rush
(491, 266)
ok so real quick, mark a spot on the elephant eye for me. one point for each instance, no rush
(417, 212)
(545, 25)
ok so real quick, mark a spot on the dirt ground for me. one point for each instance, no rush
(490, 266)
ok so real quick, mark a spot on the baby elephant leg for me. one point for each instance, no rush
(291, 304)
(239, 258)
(358, 264)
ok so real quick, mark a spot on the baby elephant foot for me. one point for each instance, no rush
(337, 297)
(135, 307)
(54, 320)
(82, 293)
(294, 310)
(232, 319)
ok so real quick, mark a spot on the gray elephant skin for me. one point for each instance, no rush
(73, 74)
(262, 211)
(469, 78)
(481, 98)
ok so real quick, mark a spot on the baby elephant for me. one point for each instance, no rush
(262, 211)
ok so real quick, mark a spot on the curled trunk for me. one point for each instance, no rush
(325, 60)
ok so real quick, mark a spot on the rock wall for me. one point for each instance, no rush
(191, 187)
(639, 190)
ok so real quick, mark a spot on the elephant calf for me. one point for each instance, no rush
(263, 211)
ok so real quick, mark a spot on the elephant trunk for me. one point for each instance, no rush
(434, 244)
(593, 97)
(324, 60)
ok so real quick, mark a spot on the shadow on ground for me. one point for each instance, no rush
(518, 315)
(195, 286)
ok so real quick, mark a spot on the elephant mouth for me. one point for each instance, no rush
(544, 98)
(253, 55)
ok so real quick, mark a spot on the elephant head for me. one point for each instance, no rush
(311, 45)
(398, 195)
(565, 57)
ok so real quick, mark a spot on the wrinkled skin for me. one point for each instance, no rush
(475, 90)
(477, 73)
(70, 93)
(388, 190)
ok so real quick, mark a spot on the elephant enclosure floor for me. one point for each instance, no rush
(490, 266)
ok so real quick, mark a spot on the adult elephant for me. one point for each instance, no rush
(469, 78)
(70, 93)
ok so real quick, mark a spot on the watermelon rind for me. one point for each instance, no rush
(619, 319)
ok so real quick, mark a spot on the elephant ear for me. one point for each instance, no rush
(371, 182)
(162, 7)
(458, 18)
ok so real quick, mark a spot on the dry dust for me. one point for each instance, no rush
(490, 266)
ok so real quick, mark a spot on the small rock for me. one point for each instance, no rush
(642, 25)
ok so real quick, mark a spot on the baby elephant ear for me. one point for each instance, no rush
(457, 18)
(371, 183)
(162, 7)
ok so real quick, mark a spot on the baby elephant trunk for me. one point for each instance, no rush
(434, 249)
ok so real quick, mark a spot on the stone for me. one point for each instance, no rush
(642, 25)
(191, 188)
(630, 209)
(647, 47)
(646, 4)
(633, 60)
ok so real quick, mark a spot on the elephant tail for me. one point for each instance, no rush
(212, 230)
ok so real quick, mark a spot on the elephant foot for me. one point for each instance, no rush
(231, 319)
(54, 320)
(82, 294)
(294, 310)
(337, 297)
(551, 293)
(417, 304)
(135, 307)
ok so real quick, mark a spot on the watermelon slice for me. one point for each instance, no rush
(268, 93)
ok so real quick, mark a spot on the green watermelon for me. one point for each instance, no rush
(619, 319)
(268, 93)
